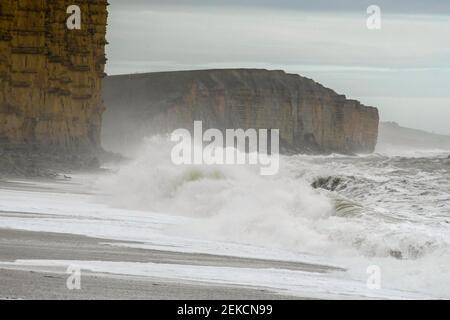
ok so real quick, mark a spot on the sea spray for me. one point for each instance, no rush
(237, 204)
(366, 223)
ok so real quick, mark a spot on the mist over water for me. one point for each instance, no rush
(387, 210)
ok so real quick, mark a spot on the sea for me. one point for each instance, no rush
(380, 222)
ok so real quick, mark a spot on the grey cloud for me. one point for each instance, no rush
(441, 7)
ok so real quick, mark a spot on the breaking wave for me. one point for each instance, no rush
(360, 215)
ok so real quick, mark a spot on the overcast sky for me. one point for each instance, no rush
(403, 69)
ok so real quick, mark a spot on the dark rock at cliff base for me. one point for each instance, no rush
(311, 118)
(49, 163)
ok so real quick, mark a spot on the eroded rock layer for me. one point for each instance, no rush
(50, 77)
(311, 118)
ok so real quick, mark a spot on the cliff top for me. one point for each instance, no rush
(235, 73)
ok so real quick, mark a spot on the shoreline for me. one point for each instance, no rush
(34, 282)
(48, 225)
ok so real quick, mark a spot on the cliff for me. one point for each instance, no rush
(50, 76)
(311, 118)
(393, 137)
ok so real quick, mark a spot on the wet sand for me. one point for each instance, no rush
(28, 282)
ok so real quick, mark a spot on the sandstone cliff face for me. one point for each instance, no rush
(50, 77)
(311, 118)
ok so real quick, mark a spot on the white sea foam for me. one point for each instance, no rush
(392, 212)
(389, 220)
(236, 204)
(286, 282)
